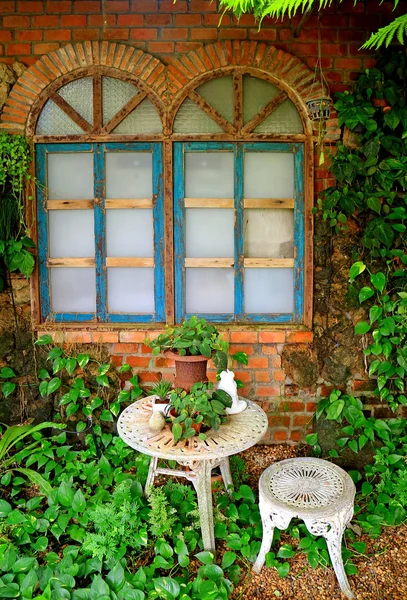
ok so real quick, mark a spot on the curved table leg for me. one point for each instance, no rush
(226, 475)
(151, 474)
(202, 485)
(332, 530)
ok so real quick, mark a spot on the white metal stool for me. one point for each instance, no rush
(314, 490)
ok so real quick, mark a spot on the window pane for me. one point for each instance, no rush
(268, 175)
(115, 94)
(53, 121)
(129, 175)
(269, 290)
(70, 176)
(191, 119)
(256, 94)
(130, 290)
(269, 233)
(219, 94)
(79, 94)
(284, 119)
(209, 232)
(71, 233)
(129, 232)
(209, 175)
(209, 290)
(143, 119)
(73, 290)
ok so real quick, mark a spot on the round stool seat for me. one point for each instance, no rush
(307, 484)
(314, 490)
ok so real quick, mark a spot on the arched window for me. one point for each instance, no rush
(100, 210)
(233, 145)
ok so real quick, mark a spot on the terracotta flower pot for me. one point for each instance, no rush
(188, 370)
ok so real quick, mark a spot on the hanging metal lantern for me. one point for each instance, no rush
(319, 109)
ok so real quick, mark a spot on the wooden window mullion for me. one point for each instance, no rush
(100, 230)
(239, 232)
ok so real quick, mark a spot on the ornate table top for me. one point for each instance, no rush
(240, 432)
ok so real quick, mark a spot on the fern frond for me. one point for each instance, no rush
(385, 35)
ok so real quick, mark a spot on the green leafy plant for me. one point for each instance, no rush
(9, 441)
(15, 244)
(193, 337)
(161, 389)
(280, 8)
(200, 407)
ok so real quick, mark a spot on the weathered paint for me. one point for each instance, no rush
(239, 149)
(99, 150)
(179, 234)
(100, 230)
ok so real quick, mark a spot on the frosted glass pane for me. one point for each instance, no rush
(129, 232)
(269, 290)
(115, 94)
(209, 175)
(209, 232)
(73, 290)
(268, 175)
(284, 119)
(143, 119)
(79, 94)
(70, 176)
(191, 119)
(269, 233)
(209, 290)
(130, 290)
(256, 94)
(219, 94)
(129, 175)
(53, 121)
(71, 233)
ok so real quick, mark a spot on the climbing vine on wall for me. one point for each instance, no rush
(370, 168)
(15, 244)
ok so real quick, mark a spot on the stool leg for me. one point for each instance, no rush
(268, 531)
(334, 541)
(151, 474)
(226, 475)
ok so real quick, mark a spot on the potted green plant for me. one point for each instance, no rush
(194, 412)
(191, 344)
(161, 392)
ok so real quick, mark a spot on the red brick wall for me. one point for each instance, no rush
(31, 28)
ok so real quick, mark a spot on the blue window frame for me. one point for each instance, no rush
(270, 273)
(99, 266)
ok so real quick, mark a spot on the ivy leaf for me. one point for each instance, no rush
(356, 269)
(378, 281)
(43, 340)
(7, 373)
(228, 559)
(362, 327)
(375, 313)
(365, 293)
(374, 204)
(83, 360)
(70, 365)
(53, 385)
(285, 551)
(8, 388)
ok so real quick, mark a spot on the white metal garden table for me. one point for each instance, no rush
(240, 432)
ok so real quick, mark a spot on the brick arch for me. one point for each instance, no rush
(69, 62)
(281, 68)
(166, 86)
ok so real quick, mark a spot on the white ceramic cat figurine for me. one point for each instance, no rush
(227, 383)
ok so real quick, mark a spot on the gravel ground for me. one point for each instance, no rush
(382, 572)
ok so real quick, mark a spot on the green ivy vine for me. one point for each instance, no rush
(370, 168)
(15, 244)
